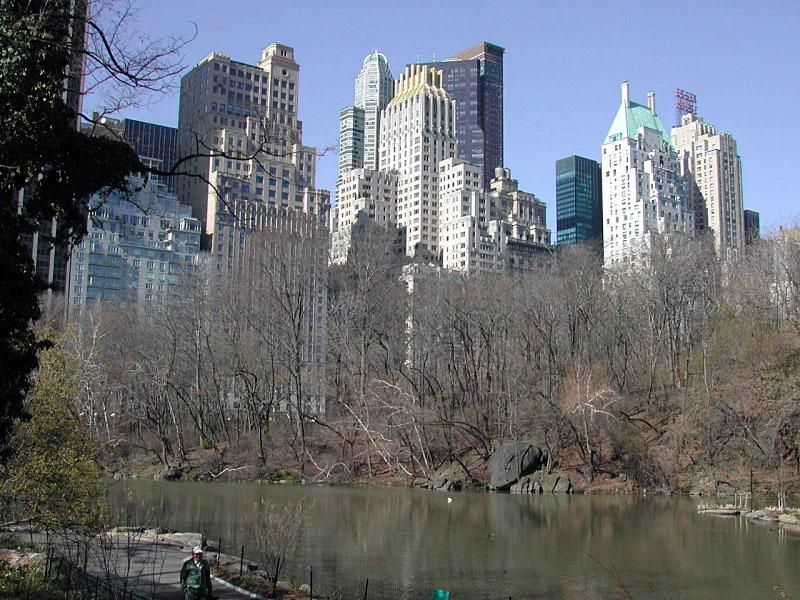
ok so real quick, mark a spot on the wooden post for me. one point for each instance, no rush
(311, 582)
(241, 563)
(366, 589)
(219, 549)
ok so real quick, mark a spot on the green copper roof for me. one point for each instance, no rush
(630, 118)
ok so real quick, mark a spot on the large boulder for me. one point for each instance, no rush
(513, 460)
(708, 484)
(556, 482)
(445, 484)
(528, 484)
(448, 479)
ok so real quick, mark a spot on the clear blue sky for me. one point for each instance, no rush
(563, 65)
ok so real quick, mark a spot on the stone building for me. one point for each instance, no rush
(712, 168)
(643, 188)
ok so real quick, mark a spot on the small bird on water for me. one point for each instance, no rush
(449, 500)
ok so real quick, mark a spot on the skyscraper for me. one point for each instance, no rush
(158, 144)
(417, 133)
(579, 200)
(361, 190)
(261, 193)
(643, 190)
(752, 226)
(134, 252)
(373, 91)
(713, 170)
(50, 257)
(250, 113)
(351, 139)
(359, 124)
(474, 79)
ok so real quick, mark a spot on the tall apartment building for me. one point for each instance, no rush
(250, 113)
(134, 252)
(474, 79)
(418, 132)
(361, 194)
(643, 189)
(157, 144)
(501, 230)
(579, 200)
(752, 226)
(50, 259)
(713, 170)
(359, 125)
(351, 139)
(373, 91)
(260, 196)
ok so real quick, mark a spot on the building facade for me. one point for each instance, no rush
(501, 230)
(752, 226)
(249, 113)
(374, 88)
(579, 200)
(136, 251)
(361, 194)
(256, 194)
(474, 79)
(417, 133)
(50, 259)
(351, 139)
(642, 185)
(712, 168)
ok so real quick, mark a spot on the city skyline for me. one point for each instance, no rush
(553, 108)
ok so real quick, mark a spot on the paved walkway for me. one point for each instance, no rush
(146, 564)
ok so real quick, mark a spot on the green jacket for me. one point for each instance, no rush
(196, 577)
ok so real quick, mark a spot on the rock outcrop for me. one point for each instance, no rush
(523, 468)
(512, 461)
(540, 482)
(707, 484)
(449, 479)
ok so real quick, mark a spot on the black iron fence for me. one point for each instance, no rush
(313, 583)
(74, 582)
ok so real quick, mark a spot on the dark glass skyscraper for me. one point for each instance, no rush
(752, 226)
(579, 200)
(159, 142)
(474, 79)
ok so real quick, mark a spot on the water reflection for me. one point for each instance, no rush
(524, 546)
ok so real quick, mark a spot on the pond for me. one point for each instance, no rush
(497, 545)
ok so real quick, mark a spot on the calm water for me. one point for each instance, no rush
(499, 544)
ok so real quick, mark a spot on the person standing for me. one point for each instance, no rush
(196, 577)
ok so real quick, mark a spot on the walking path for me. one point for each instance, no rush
(144, 563)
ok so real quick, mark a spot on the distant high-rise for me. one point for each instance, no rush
(374, 90)
(713, 170)
(134, 252)
(50, 257)
(643, 189)
(752, 226)
(157, 144)
(579, 200)
(263, 188)
(250, 113)
(417, 133)
(351, 139)
(359, 124)
(474, 79)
